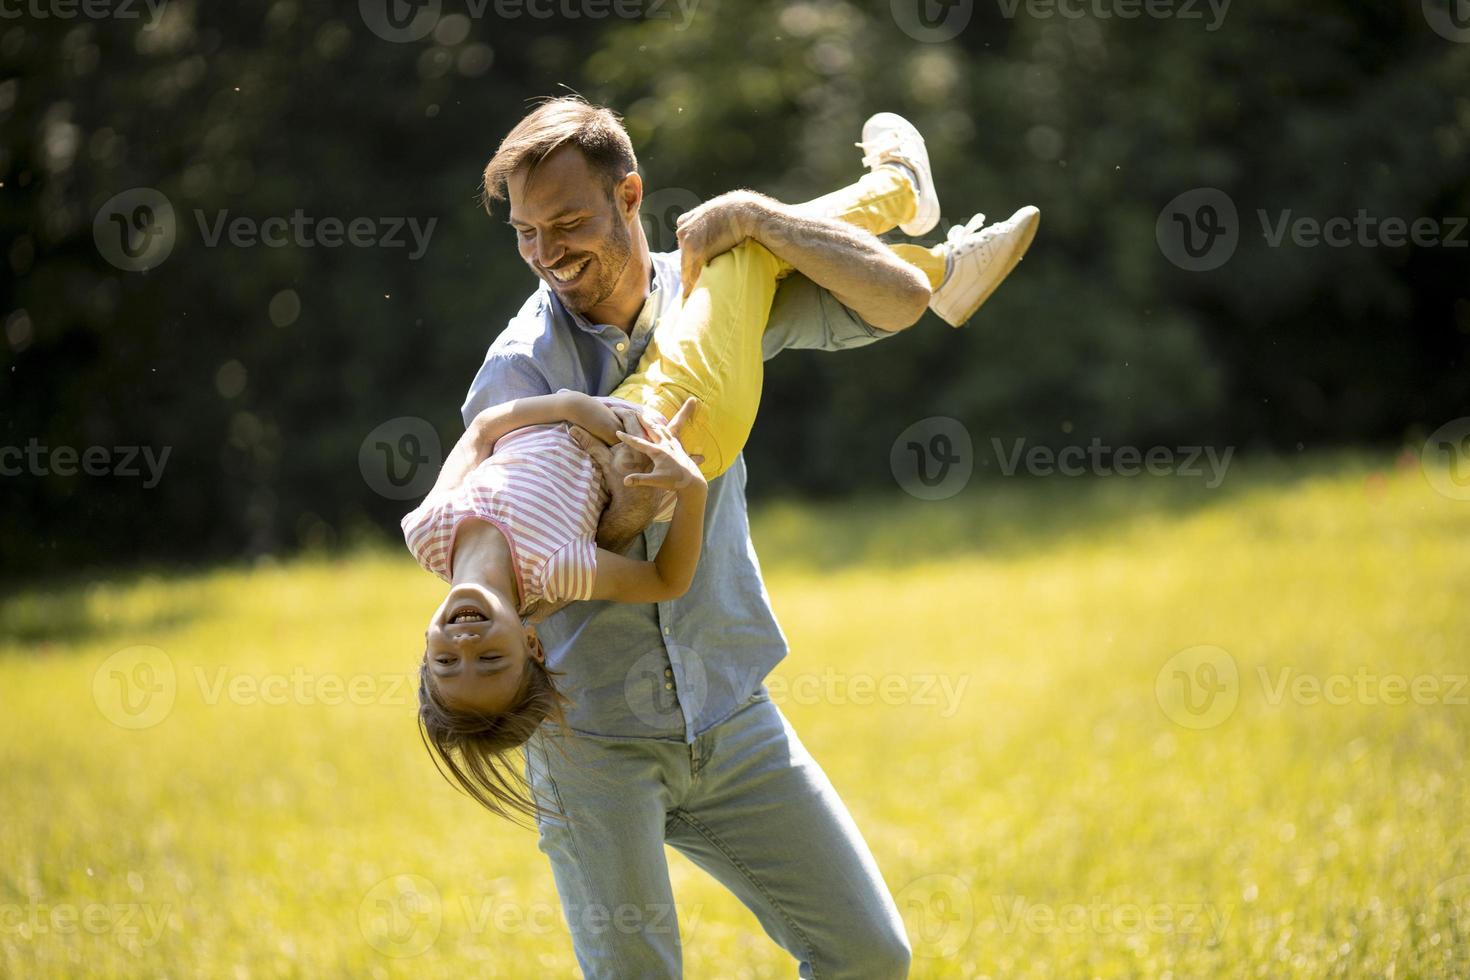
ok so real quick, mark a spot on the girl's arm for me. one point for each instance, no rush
(478, 441)
(668, 575)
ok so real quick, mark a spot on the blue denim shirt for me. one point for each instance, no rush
(673, 669)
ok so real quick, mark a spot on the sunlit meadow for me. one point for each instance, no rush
(1091, 727)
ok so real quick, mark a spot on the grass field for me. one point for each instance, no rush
(1090, 727)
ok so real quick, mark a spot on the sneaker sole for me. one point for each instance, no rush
(1018, 252)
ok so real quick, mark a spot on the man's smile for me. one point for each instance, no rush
(568, 273)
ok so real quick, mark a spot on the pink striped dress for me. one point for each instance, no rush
(546, 496)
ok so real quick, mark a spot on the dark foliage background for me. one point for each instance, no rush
(263, 369)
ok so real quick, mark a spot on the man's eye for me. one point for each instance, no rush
(569, 225)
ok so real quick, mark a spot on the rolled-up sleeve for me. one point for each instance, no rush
(505, 375)
(808, 317)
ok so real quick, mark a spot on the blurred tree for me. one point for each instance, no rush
(264, 368)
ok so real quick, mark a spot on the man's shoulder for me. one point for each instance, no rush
(532, 327)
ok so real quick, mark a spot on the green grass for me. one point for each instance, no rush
(1048, 816)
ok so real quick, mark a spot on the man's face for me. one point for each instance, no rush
(568, 230)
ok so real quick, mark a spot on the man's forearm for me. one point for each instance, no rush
(853, 265)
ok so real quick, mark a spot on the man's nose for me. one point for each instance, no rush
(549, 250)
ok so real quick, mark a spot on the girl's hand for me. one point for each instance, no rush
(673, 468)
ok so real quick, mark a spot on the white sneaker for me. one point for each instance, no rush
(888, 139)
(978, 260)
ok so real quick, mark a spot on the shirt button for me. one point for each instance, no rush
(668, 672)
(622, 345)
(668, 687)
(667, 631)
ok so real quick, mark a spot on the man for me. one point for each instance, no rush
(675, 738)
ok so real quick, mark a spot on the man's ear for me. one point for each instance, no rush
(629, 194)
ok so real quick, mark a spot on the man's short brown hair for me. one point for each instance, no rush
(568, 121)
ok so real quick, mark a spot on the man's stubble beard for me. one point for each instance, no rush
(612, 261)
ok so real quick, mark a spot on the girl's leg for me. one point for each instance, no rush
(878, 203)
(712, 349)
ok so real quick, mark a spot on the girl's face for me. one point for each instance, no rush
(478, 650)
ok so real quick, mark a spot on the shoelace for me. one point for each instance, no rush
(875, 151)
(958, 233)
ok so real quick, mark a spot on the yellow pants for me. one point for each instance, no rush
(710, 347)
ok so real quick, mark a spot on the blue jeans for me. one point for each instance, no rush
(745, 802)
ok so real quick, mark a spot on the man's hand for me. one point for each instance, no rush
(673, 468)
(715, 227)
(629, 509)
